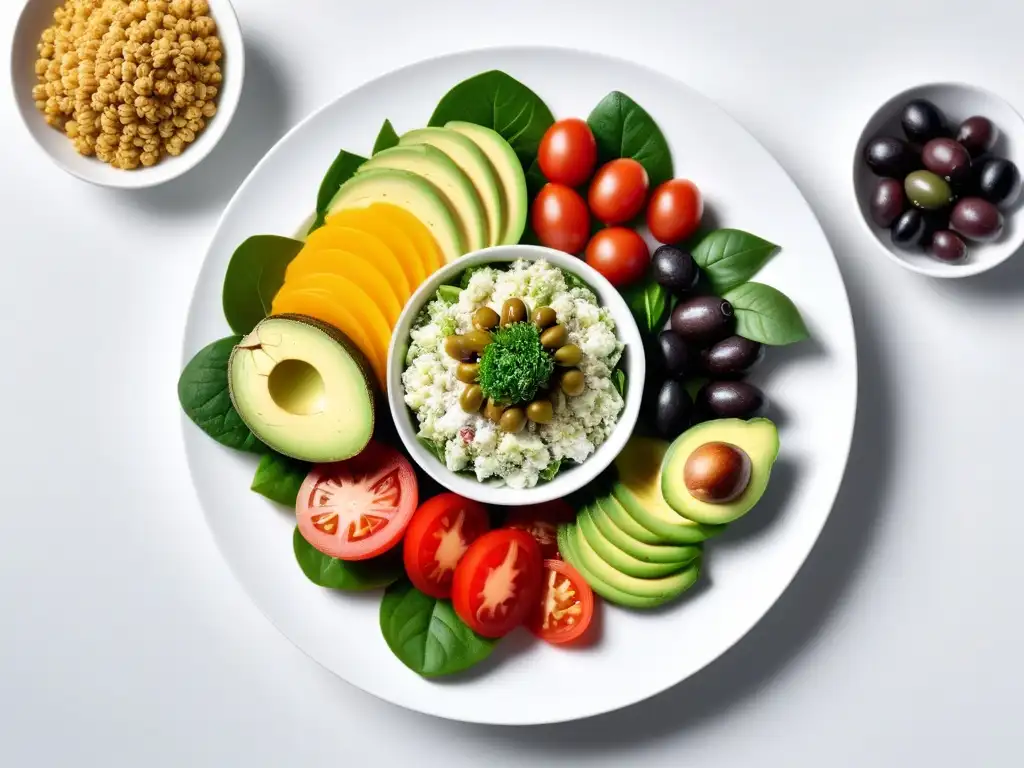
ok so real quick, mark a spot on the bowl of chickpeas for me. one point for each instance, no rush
(127, 93)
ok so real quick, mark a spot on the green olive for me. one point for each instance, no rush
(485, 318)
(544, 317)
(513, 311)
(472, 398)
(573, 383)
(540, 411)
(453, 346)
(468, 373)
(569, 355)
(476, 341)
(513, 420)
(928, 190)
(493, 411)
(555, 336)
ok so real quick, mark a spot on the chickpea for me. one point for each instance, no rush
(555, 336)
(569, 355)
(485, 319)
(513, 311)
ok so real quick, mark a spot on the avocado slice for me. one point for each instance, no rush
(474, 163)
(510, 176)
(567, 547)
(624, 522)
(412, 193)
(647, 553)
(618, 559)
(758, 438)
(303, 389)
(437, 168)
(638, 490)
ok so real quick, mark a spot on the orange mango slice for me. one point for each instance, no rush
(356, 268)
(376, 222)
(369, 247)
(417, 231)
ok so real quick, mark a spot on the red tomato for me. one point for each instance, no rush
(541, 521)
(568, 152)
(675, 211)
(359, 508)
(566, 605)
(438, 536)
(497, 582)
(618, 191)
(620, 254)
(560, 218)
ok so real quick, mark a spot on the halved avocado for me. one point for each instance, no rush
(618, 559)
(638, 490)
(758, 438)
(439, 169)
(567, 546)
(303, 389)
(647, 553)
(510, 176)
(474, 163)
(410, 192)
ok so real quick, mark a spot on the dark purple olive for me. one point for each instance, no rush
(732, 399)
(922, 121)
(732, 356)
(675, 269)
(672, 410)
(889, 156)
(977, 219)
(909, 229)
(703, 320)
(934, 221)
(674, 355)
(888, 202)
(948, 247)
(978, 135)
(947, 159)
(999, 182)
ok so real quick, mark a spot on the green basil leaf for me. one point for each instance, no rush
(619, 382)
(342, 169)
(386, 139)
(552, 469)
(255, 275)
(648, 301)
(350, 576)
(279, 477)
(730, 257)
(203, 394)
(624, 129)
(436, 449)
(766, 314)
(449, 294)
(497, 100)
(427, 635)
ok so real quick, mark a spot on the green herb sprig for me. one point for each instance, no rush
(515, 364)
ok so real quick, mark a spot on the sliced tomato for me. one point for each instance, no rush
(358, 508)
(541, 521)
(497, 582)
(438, 536)
(566, 605)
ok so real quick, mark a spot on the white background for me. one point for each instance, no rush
(124, 640)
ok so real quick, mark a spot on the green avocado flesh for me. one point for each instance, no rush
(465, 153)
(512, 180)
(647, 553)
(303, 389)
(758, 438)
(438, 169)
(410, 191)
(617, 558)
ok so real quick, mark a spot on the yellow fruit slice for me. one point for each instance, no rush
(358, 269)
(417, 231)
(375, 221)
(368, 246)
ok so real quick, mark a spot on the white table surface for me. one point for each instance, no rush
(124, 639)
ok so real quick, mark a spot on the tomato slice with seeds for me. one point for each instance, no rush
(541, 521)
(438, 536)
(358, 508)
(497, 582)
(566, 605)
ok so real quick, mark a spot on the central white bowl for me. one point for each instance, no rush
(571, 478)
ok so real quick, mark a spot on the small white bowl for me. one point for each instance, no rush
(36, 16)
(957, 102)
(569, 479)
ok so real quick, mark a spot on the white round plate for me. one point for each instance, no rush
(813, 385)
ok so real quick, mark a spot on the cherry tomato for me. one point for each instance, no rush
(568, 152)
(497, 582)
(566, 605)
(560, 218)
(618, 191)
(541, 521)
(620, 254)
(438, 536)
(675, 210)
(358, 508)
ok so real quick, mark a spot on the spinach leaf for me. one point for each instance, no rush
(552, 469)
(279, 477)
(468, 273)
(575, 281)
(497, 100)
(730, 257)
(449, 294)
(435, 449)
(427, 635)
(619, 382)
(342, 169)
(350, 576)
(535, 179)
(624, 129)
(255, 274)
(386, 139)
(765, 314)
(648, 301)
(695, 385)
(203, 394)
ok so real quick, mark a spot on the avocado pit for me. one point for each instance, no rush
(717, 472)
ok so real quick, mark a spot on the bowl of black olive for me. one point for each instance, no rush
(938, 182)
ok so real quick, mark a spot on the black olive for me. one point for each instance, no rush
(922, 121)
(674, 355)
(934, 221)
(732, 356)
(909, 229)
(675, 269)
(999, 182)
(977, 219)
(977, 135)
(703, 319)
(732, 399)
(888, 202)
(673, 409)
(890, 157)
(948, 247)
(948, 159)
